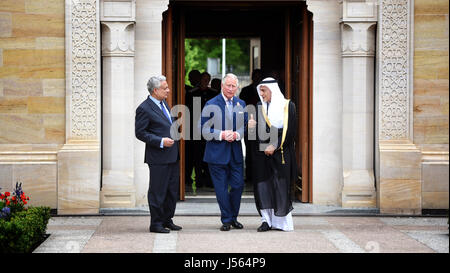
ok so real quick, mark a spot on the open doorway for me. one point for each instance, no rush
(206, 62)
(281, 35)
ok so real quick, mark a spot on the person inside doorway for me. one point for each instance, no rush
(204, 93)
(194, 79)
(274, 162)
(215, 84)
(249, 94)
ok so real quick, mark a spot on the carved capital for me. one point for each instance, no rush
(358, 39)
(117, 38)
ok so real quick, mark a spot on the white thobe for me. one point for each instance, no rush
(284, 223)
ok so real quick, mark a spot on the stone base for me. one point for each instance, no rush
(35, 166)
(121, 197)
(359, 189)
(80, 211)
(400, 178)
(435, 177)
(79, 178)
(401, 211)
(118, 190)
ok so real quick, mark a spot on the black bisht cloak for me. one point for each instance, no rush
(272, 179)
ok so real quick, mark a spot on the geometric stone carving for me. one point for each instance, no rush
(395, 92)
(83, 62)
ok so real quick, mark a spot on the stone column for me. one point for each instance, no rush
(327, 103)
(79, 159)
(399, 159)
(358, 30)
(118, 26)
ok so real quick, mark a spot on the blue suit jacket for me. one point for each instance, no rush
(215, 119)
(151, 125)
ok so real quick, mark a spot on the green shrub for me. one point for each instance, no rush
(24, 230)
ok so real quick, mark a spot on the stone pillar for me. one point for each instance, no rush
(399, 159)
(79, 159)
(358, 30)
(327, 103)
(118, 26)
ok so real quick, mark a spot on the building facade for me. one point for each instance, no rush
(72, 73)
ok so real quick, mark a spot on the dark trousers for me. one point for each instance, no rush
(249, 150)
(163, 193)
(224, 176)
(189, 165)
(202, 175)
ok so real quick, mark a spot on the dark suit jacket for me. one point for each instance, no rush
(221, 152)
(151, 125)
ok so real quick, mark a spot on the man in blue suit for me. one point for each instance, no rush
(152, 126)
(223, 124)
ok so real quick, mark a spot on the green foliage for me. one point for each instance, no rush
(197, 52)
(24, 230)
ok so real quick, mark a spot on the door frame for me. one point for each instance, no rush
(173, 35)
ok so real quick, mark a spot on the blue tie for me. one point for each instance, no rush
(165, 112)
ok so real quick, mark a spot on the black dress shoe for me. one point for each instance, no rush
(225, 227)
(237, 225)
(172, 226)
(159, 230)
(264, 227)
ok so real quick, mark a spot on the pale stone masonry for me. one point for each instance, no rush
(70, 68)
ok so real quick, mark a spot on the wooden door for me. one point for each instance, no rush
(173, 68)
(181, 98)
(300, 29)
(305, 88)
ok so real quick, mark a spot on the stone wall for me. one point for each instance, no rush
(32, 95)
(431, 98)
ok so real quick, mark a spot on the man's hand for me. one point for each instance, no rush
(251, 122)
(168, 142)
(229, 135)
(269, 150)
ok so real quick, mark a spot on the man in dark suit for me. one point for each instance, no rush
(223, 124)
(153, 126)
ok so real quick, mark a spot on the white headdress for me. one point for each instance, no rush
(277, 102)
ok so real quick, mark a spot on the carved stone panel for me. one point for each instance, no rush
(394, 77)
(82, 32)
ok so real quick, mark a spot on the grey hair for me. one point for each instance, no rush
(231, 75)
(154, 82)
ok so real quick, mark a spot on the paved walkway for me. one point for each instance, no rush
(317, 230)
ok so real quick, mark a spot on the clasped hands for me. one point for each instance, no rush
(229, 135)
